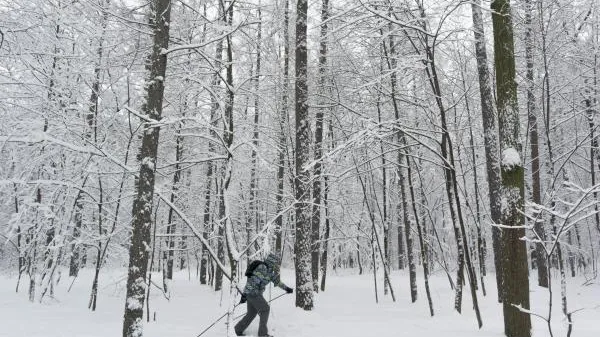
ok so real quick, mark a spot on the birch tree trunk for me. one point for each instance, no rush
(159, 19)
(514, 252)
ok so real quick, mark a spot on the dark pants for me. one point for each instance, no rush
(257, 305)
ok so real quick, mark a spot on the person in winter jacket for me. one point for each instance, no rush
(253, 294)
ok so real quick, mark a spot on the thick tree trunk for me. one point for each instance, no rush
(302, 247)
(514, 252)
(160, 14)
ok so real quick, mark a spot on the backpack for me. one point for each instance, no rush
(253, 265)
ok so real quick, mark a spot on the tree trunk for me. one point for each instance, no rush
(421, 239)
(160, 13)
(480, 247)
(283, 123)
(539, 229)
(205, 261)
(228, 140)
(253, 202)
(412, 267)
(514, 250)
(490, 138)
(220, 236)
(318, 149)
(171, 224)
(94, 294)
(324, 254)
(401, 156)
(302, 247)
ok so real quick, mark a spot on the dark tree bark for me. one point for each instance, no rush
(220, 235)
(318, 150)
(302, 247)
(539, 229)
(75, 249)
(401, 157)
(490, 132)
(480, 251)
(253, 202)
(210, 171)
(283, 123)
(171, 224)
(21, 263)
(420, 233)
(464, 256)
(160, 15)
(228, 134)
(99, 256)
(324, 255)
(514, 251)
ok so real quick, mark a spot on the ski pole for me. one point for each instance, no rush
(225, 314)
(267, 302)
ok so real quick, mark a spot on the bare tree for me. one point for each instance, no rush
(514, 253)
(302, 247)
(159, 20)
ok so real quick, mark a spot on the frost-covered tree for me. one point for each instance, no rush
(515, 274)
(139, 250)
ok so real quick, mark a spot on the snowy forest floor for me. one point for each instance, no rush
(346, 309)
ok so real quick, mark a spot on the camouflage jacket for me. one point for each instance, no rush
(262, 275)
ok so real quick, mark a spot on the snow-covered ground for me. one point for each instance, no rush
(346, 309)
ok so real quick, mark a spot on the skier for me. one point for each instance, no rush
(259, 275)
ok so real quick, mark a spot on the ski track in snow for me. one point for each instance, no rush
(346, 309)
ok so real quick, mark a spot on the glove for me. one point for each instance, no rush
(289, 290)
(243, 299)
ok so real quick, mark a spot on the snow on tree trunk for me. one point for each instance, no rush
(160, 13)
(283, 121)
(490, 132)
(318, 149)
(536, 192)
(302, 246)
(169, 255)
(253, 202)
(210, 172)
(228, 139)
(514, 251)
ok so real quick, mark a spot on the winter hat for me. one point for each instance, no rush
(273, 259)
